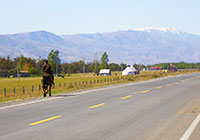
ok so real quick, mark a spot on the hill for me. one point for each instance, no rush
(146, 45)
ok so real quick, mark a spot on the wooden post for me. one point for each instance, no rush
(23, 90)
(59, 84)
(32, 88)
(39, 87)
(64, 84)
(14, 91)
(4, 91)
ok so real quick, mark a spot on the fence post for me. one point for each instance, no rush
(64, 84)
(14, 91)
(32, 88)
(23, 90)
(4, 91)
(59, 84)
(39, 88)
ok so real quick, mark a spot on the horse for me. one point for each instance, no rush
(47, 85)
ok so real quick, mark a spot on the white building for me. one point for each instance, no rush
(104, 72)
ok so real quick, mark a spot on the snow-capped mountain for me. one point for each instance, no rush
(144, 45)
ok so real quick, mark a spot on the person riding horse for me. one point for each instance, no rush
(48, 78)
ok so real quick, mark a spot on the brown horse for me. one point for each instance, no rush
(47, 85)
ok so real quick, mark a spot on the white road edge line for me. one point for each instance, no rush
(28, 103)
(192, 127)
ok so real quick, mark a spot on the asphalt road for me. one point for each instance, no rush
(161, 109)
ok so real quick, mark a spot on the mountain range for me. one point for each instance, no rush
(145, 45)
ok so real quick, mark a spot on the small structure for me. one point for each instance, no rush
(130, 71)
(104, 72)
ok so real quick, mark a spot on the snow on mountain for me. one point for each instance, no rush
(145, 45)
(164, 29)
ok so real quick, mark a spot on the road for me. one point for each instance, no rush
(161, 109)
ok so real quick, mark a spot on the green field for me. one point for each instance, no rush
(32, 86)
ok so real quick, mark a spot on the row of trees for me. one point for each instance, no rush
(34, 65)
(179, 65)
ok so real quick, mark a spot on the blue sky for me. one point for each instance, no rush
(90, 16)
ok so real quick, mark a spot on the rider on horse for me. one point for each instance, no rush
(47, 73)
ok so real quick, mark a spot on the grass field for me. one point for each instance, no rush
(11, 89)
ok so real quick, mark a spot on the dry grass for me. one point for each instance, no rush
(71, 83)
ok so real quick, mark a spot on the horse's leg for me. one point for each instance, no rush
(50, 90)
(45, 93)
(46, 90)
(44, 87)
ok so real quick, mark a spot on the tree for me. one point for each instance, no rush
(123, 66)
(104, 61)
(54, 60)
(114, 67)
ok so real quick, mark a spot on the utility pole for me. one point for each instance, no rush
(18, 76)
(95, 64)
(18, 79)
(83, 65)
(56, 68)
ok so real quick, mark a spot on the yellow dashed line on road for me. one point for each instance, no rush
(98, 105)
(183, 81)
(159, 87)
(146, 91)
(176, 83)
(45, 120)
(169, 85)
(126, 97)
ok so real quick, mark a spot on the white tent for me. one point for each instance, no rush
(128, 71)
(136, 71)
